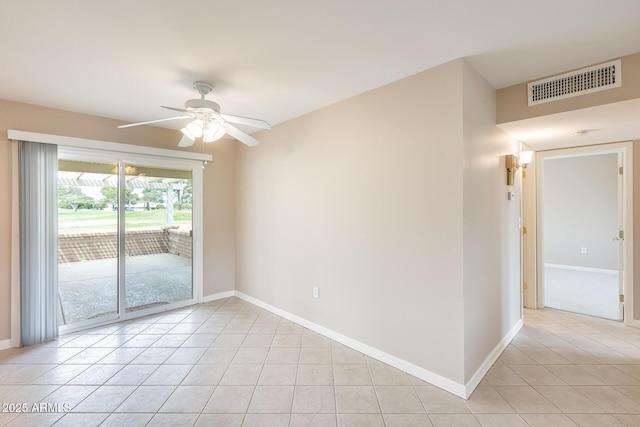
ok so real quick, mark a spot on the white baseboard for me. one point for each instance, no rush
(631, 322)
(491, 359)
(418, 372)
(219, 295)
(578, 268)
(5, 344)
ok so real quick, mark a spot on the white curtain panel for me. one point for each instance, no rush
(38, 192)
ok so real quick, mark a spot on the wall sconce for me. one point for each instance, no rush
(512, 164)
(525, 158)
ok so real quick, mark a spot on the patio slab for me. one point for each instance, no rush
(88, 289)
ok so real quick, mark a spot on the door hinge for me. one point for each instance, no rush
(524, 286)
(620, 170)
(524, 173)
(621, 234)
(524, 230)
(621, 298)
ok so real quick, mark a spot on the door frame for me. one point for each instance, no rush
(626, 257)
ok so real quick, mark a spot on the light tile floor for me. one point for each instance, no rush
(229, 363)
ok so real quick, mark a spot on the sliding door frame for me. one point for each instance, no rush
(126, 153)
(123, 159)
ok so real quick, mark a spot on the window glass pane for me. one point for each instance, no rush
(158, 236)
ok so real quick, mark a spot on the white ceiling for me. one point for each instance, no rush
(280, 59)
(602, 124)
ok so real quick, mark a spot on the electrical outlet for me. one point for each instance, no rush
(315, 292)
(583, 250)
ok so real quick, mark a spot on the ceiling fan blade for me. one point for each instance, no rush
(153, 121)
(182, 110)
(240, 136)
(256, 123)
(186, 142)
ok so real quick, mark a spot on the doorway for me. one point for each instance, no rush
(125, 236)
(581, 221)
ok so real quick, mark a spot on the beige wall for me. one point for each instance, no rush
(512, 100)
(364, 199)
(218, 186)
(219, 270)
(491, 231)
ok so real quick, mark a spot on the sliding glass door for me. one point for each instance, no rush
(125, 237)
(158, 236)
(87, 241)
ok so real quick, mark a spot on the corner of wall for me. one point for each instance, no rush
(491, 232)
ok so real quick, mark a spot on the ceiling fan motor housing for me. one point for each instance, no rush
(198, 104)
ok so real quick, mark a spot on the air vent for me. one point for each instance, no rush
(588, 80)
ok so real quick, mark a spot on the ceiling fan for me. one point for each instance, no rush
(209, 123)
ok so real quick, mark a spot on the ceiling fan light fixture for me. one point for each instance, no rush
(195, 128)
(213, 132)
(185, 141)
(187, 134)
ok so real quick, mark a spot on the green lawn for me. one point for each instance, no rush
(84, 220)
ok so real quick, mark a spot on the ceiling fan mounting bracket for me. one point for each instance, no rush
(203, 88)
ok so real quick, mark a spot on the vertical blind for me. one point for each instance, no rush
(38, 170)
